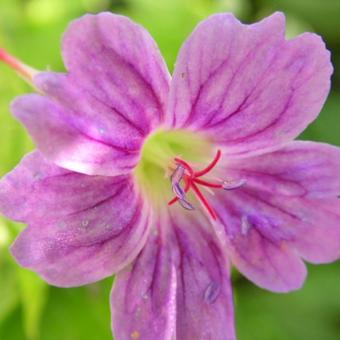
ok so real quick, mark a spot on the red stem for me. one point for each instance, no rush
(15, 64)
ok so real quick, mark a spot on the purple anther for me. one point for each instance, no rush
(233, 184)
(185, 204)
(176, 179)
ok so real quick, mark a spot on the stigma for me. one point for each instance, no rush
(192, 180)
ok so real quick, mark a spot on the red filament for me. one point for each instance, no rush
(210, 166)
(192, 181)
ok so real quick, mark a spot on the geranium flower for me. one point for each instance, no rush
(164, 181)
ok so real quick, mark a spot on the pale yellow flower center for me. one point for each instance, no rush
(157, 160)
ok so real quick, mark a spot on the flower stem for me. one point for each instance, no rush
(25, 71)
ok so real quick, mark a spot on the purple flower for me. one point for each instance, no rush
(163, 182)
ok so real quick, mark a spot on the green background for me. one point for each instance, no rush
(29, 309)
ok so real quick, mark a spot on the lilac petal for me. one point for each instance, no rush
(246, 86)
(62, 139)
(318, 236)
(118, 62)
(143, 301)
(300, 169)
(204, 294)
(300, 184)
(258, 241)
(289, 206)
(81, 228)
(98, 115)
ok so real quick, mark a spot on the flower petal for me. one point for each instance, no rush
(204, 294)
(117, 61)
(81, 228)
(143, 301)
(258, 241)
(246, 86)
(300, 169)
(301, 182)
(318, 237)
(68, 143)
(95, 118)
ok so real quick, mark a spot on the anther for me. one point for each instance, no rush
(176, 179)
(233, 184)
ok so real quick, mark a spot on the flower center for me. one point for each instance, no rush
(158, 160)
(184, 172)
(168, 164)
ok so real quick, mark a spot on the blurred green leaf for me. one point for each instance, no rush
(326, 127)
(78, 313)
(33, 296)
(9, 297)
(322, 15)
(311, 313)
(171, 21)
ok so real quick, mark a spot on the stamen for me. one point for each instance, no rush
(178, 191)
(208, 184)
(210, 166)
(185, 165)
(184, 172)
(186, 189)
(176, 179)
(25, 71)
(185, 204)
(203, 200)
(174, 200)
(233, 184)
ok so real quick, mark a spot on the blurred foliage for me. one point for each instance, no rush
(29, 309)
(323, 15)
